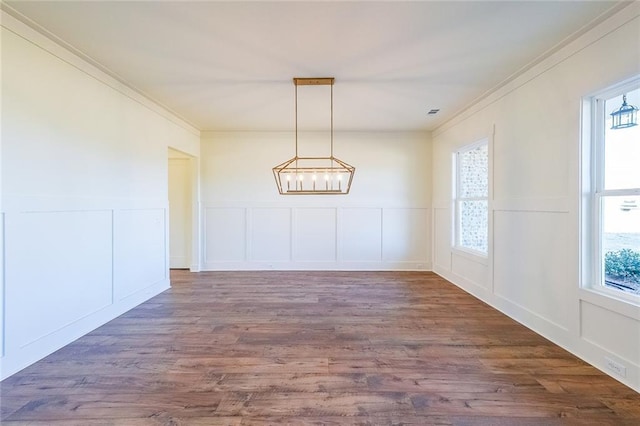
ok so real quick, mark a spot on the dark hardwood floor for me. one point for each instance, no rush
(246, 348)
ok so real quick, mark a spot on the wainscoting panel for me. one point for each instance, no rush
(442, 238)
(139, 250)
(361, 234)
(271, 234)
(315, 235)
(324, 238)
(469, 268)
(225, 232)
(65, 256)
(616, 333)
(532, 251)
(406, 235)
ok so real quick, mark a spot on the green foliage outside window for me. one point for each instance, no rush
(623, 265)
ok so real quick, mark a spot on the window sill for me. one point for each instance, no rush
(627, 305)
(473, 256)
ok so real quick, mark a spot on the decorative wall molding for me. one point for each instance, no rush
(23, 357)
(297, 238)
(317, 266)
(530, 204)
(611, 303)
(604, 328)
(548, 205)
(120, 284)
(34, 203)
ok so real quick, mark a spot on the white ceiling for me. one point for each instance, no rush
(229, 65)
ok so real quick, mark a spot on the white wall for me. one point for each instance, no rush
(180, 209)
(84, 196)
(532, 273)
(1, 228)
(382, 224)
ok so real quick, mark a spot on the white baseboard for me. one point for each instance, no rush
(319, 266)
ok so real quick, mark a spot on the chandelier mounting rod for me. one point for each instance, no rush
(317, 81)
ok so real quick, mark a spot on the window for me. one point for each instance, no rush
(615, 196)
(471, 198)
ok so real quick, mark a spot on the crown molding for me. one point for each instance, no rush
(31, 31)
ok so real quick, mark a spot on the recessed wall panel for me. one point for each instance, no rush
(271, 234)
(405, 235)
(530, 262)
(610, 330)
(315, 235)
(361, 233)
(472, 268)
(140, 251)
(225, 234)
(442, 238)
(65, 257)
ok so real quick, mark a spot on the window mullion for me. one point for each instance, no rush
(598, 157)
(473, 198)
(619, 192)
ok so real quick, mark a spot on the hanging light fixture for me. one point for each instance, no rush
(625, 116)
(314, 175)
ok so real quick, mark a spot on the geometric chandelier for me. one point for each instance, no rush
(314, 175)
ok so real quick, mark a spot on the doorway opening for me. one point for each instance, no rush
(181, 213)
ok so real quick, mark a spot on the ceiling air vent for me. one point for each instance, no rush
(433, 111)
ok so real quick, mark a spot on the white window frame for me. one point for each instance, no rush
(594, 192)
(457, 200)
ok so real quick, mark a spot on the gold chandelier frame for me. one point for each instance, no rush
(313, 175)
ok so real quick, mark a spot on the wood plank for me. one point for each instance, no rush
(309, 348)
